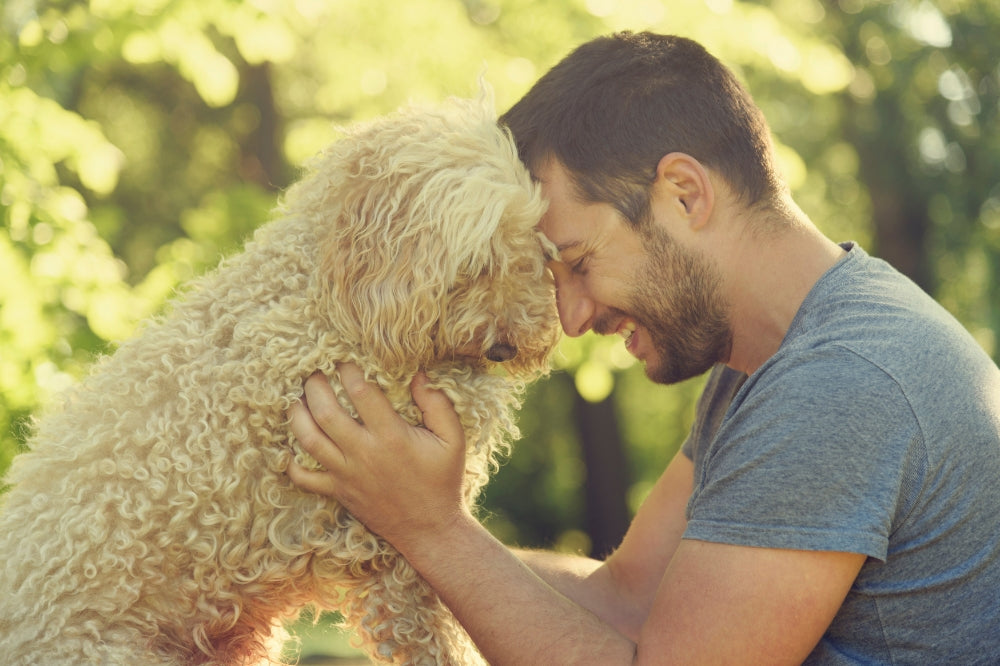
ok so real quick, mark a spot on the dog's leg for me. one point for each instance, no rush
(400, 620)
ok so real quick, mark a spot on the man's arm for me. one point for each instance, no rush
(621, 589)
(720, 603)
(512, 615)
(779, 589)
(715, 602)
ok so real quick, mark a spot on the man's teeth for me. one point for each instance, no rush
(627, 330)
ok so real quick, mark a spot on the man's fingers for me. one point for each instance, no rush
(316, 481)
(312, 439)
(374, 408)
(439, 414)
(327, 412)
(321, 425)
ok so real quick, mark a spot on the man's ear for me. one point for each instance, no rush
(683, 182)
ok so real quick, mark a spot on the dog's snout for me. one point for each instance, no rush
(501, 352)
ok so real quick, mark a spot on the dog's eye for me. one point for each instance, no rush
(501, 352)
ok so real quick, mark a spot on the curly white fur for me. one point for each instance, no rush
(151, 522)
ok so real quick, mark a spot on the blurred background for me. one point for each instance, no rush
(142, 140)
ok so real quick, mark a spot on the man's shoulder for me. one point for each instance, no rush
(880, 325)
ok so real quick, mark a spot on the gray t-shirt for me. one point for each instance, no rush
(874, 429)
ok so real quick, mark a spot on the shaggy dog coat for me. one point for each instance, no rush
(151, 521)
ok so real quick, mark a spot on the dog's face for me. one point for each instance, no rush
(503, 313)
(432, 247)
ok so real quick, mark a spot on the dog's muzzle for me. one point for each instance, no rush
(501, 352)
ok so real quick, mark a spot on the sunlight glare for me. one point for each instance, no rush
(594, 381)
(924, 22)
(601, 8)
(719, 6)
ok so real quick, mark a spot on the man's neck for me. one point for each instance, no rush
(768, 275)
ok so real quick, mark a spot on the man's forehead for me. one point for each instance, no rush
(560, 237)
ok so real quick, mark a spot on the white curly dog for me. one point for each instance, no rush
(151, 521)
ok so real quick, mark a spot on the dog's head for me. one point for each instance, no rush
(429, 245)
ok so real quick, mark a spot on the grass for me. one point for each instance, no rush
(320, 641)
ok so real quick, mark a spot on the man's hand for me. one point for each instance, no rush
(399, 480)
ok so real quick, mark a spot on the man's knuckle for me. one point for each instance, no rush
(324, 414)
(309, 443)
(357, 388)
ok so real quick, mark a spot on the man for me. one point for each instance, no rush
(836, 501)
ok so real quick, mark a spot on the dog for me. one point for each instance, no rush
(151, 520)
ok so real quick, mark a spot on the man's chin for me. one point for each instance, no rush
(663, 372)
(658, 371)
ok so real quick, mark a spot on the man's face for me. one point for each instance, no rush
(659, 296)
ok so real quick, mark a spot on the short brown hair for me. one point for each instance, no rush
(614, 106)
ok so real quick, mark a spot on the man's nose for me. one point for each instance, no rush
(576, 309)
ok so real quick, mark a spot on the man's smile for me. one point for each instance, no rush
(627, 331)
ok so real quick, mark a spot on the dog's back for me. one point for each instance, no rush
(114, 526)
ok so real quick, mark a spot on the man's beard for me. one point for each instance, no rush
(676, 301)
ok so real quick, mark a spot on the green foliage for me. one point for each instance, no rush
(141, 140)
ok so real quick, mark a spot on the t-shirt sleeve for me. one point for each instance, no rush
(820, 456)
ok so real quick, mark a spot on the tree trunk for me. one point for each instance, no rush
(260, 160)
(606, 486)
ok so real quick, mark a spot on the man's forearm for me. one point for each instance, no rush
(588, 583)
(513, 614)
(621, 589)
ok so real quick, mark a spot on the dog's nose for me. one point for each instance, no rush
(501, 352)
